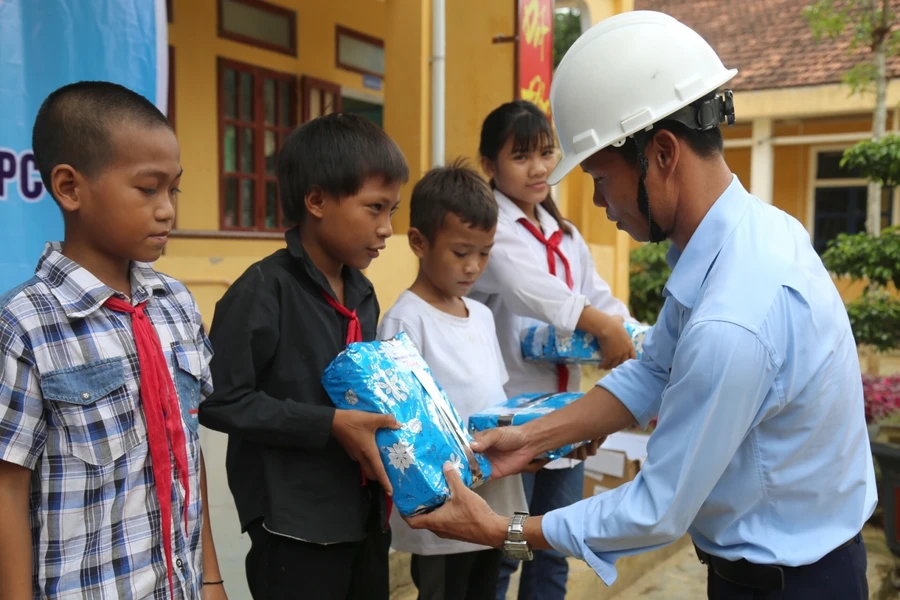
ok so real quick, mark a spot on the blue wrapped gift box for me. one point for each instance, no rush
(391, 377)
(545, 343)
(522, 409)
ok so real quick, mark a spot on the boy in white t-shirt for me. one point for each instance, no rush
(453, 217)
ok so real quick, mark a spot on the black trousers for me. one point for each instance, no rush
(281, 568)
(465, 576)
(840, 575)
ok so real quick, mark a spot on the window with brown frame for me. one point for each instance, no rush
(257, 109)
(320, 98)
(358, 52)
(258, 23)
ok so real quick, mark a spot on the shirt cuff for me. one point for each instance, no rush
(564, 531)
(569, 313)
(635, 388)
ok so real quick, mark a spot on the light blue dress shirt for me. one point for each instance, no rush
(761, 450)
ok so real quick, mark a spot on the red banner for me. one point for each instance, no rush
(535, 52)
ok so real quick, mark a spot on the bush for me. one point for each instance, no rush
(882, 398)
(648, 275)
(874, 316)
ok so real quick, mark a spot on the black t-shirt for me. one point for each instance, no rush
(273, 335)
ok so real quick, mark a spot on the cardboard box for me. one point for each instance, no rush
(618, 461)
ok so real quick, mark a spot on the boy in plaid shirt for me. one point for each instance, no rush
(103, 363)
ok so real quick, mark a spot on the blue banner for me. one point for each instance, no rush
(45, 44)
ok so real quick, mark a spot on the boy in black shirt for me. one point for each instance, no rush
(307, 479)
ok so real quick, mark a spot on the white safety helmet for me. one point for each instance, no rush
(627, 73)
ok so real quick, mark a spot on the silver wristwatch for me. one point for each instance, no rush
(515, 546)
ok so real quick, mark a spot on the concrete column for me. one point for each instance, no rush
(762, 160)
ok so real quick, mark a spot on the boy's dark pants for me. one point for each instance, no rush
(281, 568)
(465, 576)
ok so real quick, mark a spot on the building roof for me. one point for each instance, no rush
(768, 41)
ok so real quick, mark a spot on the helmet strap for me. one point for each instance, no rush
(657, 235)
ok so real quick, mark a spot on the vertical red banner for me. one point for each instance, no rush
(535, 52)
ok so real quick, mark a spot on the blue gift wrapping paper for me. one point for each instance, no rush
(522, 409)
(544, 343)
(391, 377)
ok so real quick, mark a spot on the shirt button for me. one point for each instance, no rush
(179, 563)
(85, 396)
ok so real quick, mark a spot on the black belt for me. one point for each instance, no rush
(766, 578)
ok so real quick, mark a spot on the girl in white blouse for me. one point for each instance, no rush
(540, 270)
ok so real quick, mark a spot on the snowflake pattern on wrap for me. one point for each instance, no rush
(402, 456)
(522, 409)
(390, 377)
(544, 343)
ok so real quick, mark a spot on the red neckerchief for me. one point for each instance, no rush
(163, 414)
(354, 334)
(553, 250)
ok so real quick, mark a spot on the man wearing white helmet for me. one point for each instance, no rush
(761, 451)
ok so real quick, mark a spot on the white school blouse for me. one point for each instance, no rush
(518, 288)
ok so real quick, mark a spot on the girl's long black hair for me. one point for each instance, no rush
(530, 130)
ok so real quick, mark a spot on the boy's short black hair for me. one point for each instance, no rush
(453, 189)
(336, 153)
(74, 123)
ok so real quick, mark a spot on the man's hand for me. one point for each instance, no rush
(355, 431)
(465, 516)
(508, 450)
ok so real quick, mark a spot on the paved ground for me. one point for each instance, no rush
(682, 577)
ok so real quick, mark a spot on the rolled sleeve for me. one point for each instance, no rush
(23, 427)
(721, 376)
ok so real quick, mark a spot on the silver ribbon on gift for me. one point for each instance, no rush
(446, 414)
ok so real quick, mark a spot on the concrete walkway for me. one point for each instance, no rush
(683, 577)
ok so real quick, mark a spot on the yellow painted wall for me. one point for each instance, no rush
(479, 77)
(479, 73)
(407, 101)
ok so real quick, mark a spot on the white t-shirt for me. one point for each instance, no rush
(518, 288)
(465, 359)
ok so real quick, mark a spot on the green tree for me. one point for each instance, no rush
(875, 315)
(566, 29)
(648, 274)
(871, 24)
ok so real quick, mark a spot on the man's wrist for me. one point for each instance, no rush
(497, 531)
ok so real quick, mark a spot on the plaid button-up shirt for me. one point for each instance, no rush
(70, 410)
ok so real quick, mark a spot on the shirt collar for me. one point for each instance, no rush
(689, 268)
(79, 292)
(510, 211)
(356, 285)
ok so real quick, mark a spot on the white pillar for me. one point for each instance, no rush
(762, 160)
(438, 50)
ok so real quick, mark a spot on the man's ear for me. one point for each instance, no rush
(68, 187)
(665, 152)
(417, 242)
